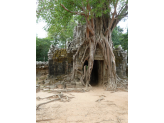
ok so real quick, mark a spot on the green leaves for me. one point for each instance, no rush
(61, 21)
(62, 33)
(124, 41)
(116, 35)
(42, 47)
(119, 38)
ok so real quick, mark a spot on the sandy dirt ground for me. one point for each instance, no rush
(83, 108)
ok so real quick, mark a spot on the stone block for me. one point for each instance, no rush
(46, 84)
(78, 83)
(70, 86)
(79, 86)
(53, 86)
(60, 86)
(57, 83)
(47, 81)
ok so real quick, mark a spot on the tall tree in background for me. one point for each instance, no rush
(100, 17)
(116, 35)
(124, 40)
(58, 34)
(42, 47)
(61, 34)
(120, 38)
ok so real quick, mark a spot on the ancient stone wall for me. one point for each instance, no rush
(41, 67)
(58, 68)
(60, 62)
(121, 62)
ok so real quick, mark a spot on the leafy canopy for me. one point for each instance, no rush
(62, 15)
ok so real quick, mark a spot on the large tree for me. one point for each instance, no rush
(42, 47)
(116, 35)
(120, 38)
(100, 17)
(61, 34)
(124, 41)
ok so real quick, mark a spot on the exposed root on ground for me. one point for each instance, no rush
(61, 97)
(44, 120)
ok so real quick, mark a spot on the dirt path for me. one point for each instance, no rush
(84, 108)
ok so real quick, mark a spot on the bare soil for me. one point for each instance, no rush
(83, 108)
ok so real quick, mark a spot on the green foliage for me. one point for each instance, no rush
(119, 38)
(42, 47)
(62, 35)
(124, 41)
(116, 35)
(60, 22)
(116, 46)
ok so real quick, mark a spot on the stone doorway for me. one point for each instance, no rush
(96, 75)
(97, 72)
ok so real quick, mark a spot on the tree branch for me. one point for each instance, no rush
(113, 18)
(77, 13)
(120, 16)
(123, 15)
(77, 5)
(92, 21)
(90, 29)
(116, 5)
(123, 12)
(121, 8)
(107, 30)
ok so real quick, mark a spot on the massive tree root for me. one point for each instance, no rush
(109, 61)
(90, 45)
(98, 32)
(61, 97)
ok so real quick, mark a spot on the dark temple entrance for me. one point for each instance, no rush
(97, 72)
(94, 75)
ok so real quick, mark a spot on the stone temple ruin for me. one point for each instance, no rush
(60, 63)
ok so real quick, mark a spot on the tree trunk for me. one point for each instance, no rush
(98, 31)
(95, 34)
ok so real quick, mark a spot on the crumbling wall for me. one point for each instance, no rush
(41, 67)
(58, 68)
(60, 62)
(121, 62)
